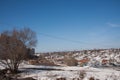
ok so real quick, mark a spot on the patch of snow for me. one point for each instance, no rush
(71, 72)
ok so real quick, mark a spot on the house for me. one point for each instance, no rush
(31, 51)
(105, 62)
(83, 62)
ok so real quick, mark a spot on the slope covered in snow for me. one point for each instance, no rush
(70, 72)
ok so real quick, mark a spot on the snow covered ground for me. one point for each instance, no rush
(69, 72)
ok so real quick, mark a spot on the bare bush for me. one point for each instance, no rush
(91, 78)
(61, 79)
(13, 47)
(82, 74)
(33, 62)
(113, 76)
(28, 37)
(70, 61)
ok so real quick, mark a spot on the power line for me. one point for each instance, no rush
(51, 36)
(59, 38)
(73, 41)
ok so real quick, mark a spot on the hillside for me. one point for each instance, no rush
(94, 58)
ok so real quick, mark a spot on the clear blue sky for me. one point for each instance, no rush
(65, 24)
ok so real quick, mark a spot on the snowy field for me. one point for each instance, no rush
(69, 72)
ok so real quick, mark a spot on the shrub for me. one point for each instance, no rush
(33, 62)
(82, 74)
(91, 78)
(61, 79)
(70, 61)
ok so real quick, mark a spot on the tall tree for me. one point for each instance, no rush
(28, 37)
(14, 45)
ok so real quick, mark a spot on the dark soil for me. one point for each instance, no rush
(48, 69)
(5, 76)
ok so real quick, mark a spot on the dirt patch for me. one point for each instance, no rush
(48, 69)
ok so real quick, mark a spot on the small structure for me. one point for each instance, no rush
(105, 62)
(31, 51)
(83, 62)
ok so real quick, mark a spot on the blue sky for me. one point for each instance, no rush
(65, 24)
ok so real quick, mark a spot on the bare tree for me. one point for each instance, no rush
(13, 47)
(28, 37)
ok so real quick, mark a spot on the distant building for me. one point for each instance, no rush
(105, 62)
(83, 62)
(31, 51)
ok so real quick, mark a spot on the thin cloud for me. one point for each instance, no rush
(113, 25)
